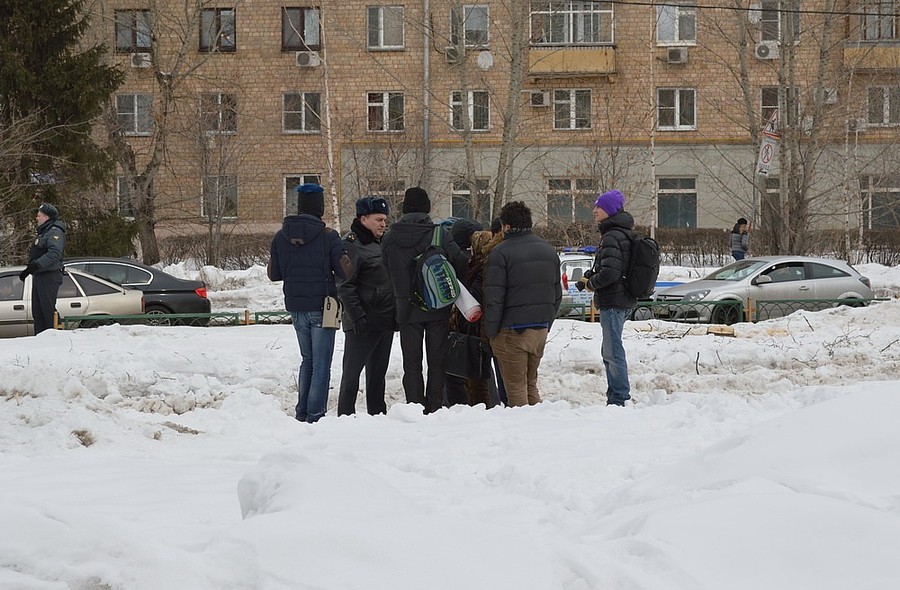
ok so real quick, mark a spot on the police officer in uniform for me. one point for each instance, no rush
(45, 265)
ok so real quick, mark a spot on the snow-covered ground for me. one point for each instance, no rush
(147, 458)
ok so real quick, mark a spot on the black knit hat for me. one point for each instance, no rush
(742, 221)
(462, 230)
(416, 200)
(311, 199)
(370, 205)
(48, 210)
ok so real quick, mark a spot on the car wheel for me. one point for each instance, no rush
(727, 313)
(157, 310)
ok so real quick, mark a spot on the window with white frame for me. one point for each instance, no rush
(882, 197)
(777, 17)
(218, 113)
(469, 206)
(385, 27)
(133, 31)
(219, 197)
(123, 197)
(768, 99)
(571, 199)
(301, 112)
(300, 29)
(571, 109)
(133, 113)
(385, 111)
(677, 202)
(676, 24)
(879, 20)
(217, 30)
(883, 105)
(676, 109)
(291, 203)
(475, 106)
(471, 23)
(571, 22)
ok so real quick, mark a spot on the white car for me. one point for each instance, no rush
(80, 294)
(572, 265)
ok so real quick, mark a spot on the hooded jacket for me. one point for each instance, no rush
(405, 240)
(612, 261)
(48, 247)
(366, 291)
(307, 256)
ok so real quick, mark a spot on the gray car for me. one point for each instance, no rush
(772, 286)
(80, 294)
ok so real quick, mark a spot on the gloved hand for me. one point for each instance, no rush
(359, 326)
(584, 283)
(32, 266)
(588, 273)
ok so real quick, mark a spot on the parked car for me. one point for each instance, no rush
(765, 278)
(572, 264)
(79, 295)
(163, 293)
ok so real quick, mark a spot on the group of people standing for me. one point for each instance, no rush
(512, 271)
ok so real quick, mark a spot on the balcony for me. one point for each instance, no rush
(571, 62)
(879, 56)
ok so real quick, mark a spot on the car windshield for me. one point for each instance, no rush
(736, 271)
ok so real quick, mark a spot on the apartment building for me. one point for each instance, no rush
(547, 101)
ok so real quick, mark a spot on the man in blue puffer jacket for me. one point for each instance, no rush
(307, 256)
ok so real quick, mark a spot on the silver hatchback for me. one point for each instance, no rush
(80, 294)
(774, 286)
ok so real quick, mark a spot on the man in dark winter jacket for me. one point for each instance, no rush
(368, 309)
(406, 239)
(522, 293)
(45, 266)
(606, 279)
(308, 256)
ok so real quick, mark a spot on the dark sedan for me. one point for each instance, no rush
(163, 293)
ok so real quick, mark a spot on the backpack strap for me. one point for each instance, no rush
(437, 238)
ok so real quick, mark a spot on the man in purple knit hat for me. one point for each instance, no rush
(606, 280)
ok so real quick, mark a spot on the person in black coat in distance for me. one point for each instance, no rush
(45, 265)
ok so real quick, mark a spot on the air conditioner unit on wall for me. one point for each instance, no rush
(539, 98)
(677, 55)
(766, 50)
(140, 60)
(307, 59)
(856, 125)
(451, 54)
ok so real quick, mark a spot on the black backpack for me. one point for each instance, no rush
(643, 266)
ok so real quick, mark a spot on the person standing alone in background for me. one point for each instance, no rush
(740, 239)
(307, 256)
(368, 309)
(45, 265)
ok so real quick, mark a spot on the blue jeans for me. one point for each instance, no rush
(738, 254)
(316, 350)
(612, 322)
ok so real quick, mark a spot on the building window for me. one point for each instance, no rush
(123, 197)
(385, 27)
(768, 98)
(300, 29)
(476, 106)
(882, 196)
(571, 199)
(301, 112)
(133, 113)
(217, 32)
(219, 197)
(466, 205)
(291, 205)
(676, 24)
(133, 33)
(471, 23)
(879, 22)
(677, 202)
(883, 105)
(571, 22)
(676, 109)
(385, 111)
(571, 109)
(773, 21)
(218, 113)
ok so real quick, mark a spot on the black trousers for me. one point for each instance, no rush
(371, 351)
(44, 289)
(436, 345)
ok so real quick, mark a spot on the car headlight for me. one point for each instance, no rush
(696, 295)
